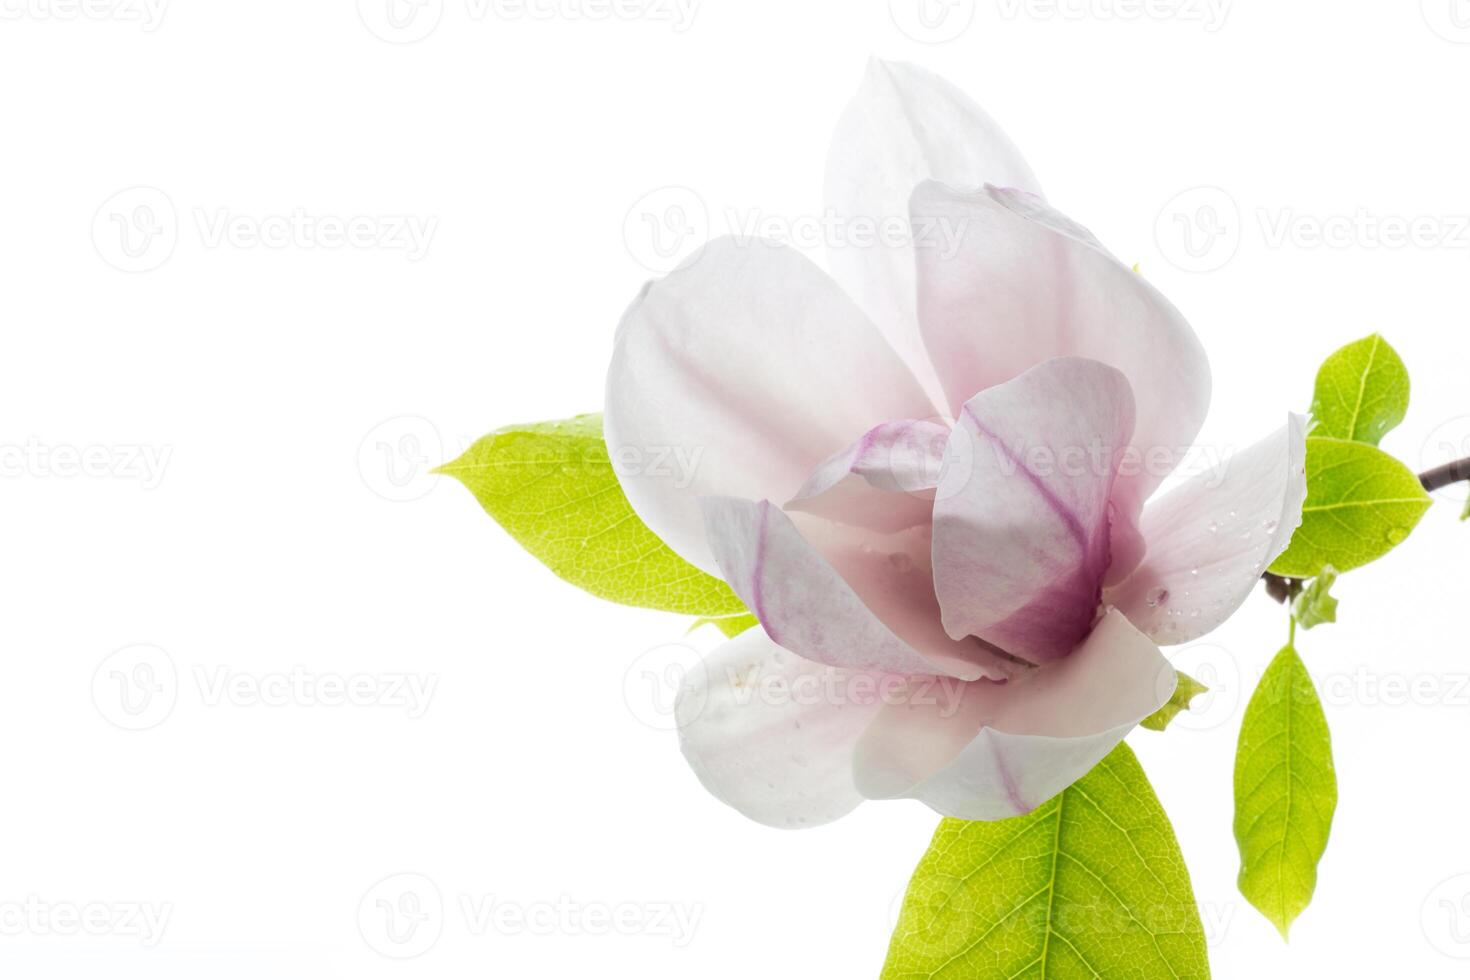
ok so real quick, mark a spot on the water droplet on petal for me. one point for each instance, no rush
(1157, 597)
(1271, 527)
(1214, 528)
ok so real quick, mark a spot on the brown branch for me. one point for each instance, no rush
(1443, 476)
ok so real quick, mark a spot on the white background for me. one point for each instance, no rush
(301, 391)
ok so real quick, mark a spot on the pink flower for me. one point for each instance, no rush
(930, 488)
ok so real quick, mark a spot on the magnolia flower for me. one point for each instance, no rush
(932, 487)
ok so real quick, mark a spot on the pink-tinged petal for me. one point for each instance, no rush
(853, 600)
(995, 751)
(884, 481)
(1027, 284)
(1021, 520)
(772, 734)
(739, 374)
(904, 126)
(1210, 538)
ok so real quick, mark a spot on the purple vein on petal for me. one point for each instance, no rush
(1013, 793)
(1067, 515)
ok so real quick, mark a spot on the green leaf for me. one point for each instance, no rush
(552, 486)
(729, 625)
(1090, 884)
(1315, 605)
(1362, 391)
(1285, 791)
(1465, 514)
(1361, 503)
(1186, 689)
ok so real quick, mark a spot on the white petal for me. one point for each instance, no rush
(1021, 521)
(860, 601)
(904, 126)
(1209, 540)
(1000, 750)
(1027, 284)
(739, 374)
(771, 734)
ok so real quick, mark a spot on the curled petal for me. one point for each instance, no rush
(1209, 539)
(739, 374)
(1021, 521)
(993, 751)
(858, 601)
(884, 481)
